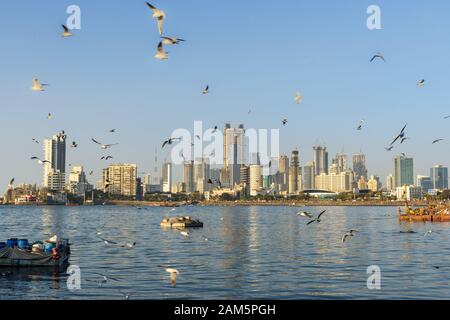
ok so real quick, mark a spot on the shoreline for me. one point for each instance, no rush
(322, 203)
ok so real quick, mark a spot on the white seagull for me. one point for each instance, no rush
(379, 56)
(351, 233)
(173, 275)
(305, 214)
(104, 146)
(37, 85)
(171, 41)
(159, 15)
(184, 234)
(421, 83)
(161, 54)
(40, 161)
(206, 91)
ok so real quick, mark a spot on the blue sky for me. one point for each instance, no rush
(254, 55)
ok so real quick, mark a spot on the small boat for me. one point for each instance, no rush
(56, 254)
(181, 223)
(430, 214)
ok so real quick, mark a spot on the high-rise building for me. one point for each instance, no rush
(245, 179)
(439, 177)
(342, 182)
(78, 183)
(403, 171)
(308, 176)
(201, 175)
(167, 177)
(425, 183)
(233, 154)
(340, 161)
(293, 172)
(362, 183)
(390, 183)
(359, 166)
(320, 158)
(120, 179)
(188, 174)
(283, 173)
(374, 184)
(55, 167)
(256, 182)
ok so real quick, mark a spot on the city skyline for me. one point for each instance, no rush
(385, 95)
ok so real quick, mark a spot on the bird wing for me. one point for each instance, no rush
(344, 237)
(96, 141)
(34, 158)
(153, 8)
(403, 130)
(320, 214)
(11, 182)
(164, 144)
(312, 221)
(160, 47)
(160, 24)
(65, 28)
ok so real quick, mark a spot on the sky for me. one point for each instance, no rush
(253, 54)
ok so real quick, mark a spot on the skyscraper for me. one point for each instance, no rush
(403, 171)
(340, 160)
(245, 179)
(55, 168)
(439, 177)
(120, 179)
(390, 183)
(308, 176)
(201, 175)
(188, 174)
(359, 166)
(320, 158)
(283, 173)
(425, 183)
(256, 182)
(293, 172)
(233, 154)
(167, 177)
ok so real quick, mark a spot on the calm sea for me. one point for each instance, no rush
(251, 253)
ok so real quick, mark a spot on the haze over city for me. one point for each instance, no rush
(106, 77)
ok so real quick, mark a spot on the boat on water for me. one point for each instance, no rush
(181, 223)
(433, 213)
(19, 253)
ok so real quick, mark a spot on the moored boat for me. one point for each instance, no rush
(181, 223)
(433, 213)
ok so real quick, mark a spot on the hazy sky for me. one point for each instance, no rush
(253, 54)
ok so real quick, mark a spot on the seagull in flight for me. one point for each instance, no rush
(35, 141)
(49, 116)
(105, 279)
(104, 146)
(206, 91)
(74, 144)
(11, 182)
(66, 32)
(159, 15)
(284, 121)
(389, 148)
(350, 233)
(106, 158)
(305, 214)
(421, 83)
(437, 141)
(112, 130)
(215, 129)
(298, 98)
(401, 135)
(40, 161)
(160, 53)
(404, 139)
(317, 219)
(37, 85)
(173, 275)
(170, 141)
(360, 126)
(378, 56)
(171, 41)
(185, 234)
(447, 117)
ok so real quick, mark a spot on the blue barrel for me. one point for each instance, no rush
(23, 244)
(2, 245)
(49, 246)
(12, 243)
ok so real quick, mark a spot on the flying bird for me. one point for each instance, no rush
(11, 182)
(284, 121)
(49, 116)
(170, 141)
(160, 53)
(106, 158)
(215, 129)
(305, 214)
(360, 126)
(317, 219)
(37, 85)
(171, 41)
(40, 161)
(74, 144)
(185, 234)
(378, 56)
(437, 141)
(35, 141)
(401, 135)
(173, 275)
(159, 15)
(389, 148)
(350, 233)
(298, 98)
(112, 130)
(66, 32)
(447, 117)
(421, 83)
(104, 146)
(206, 91)
(404, 139)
